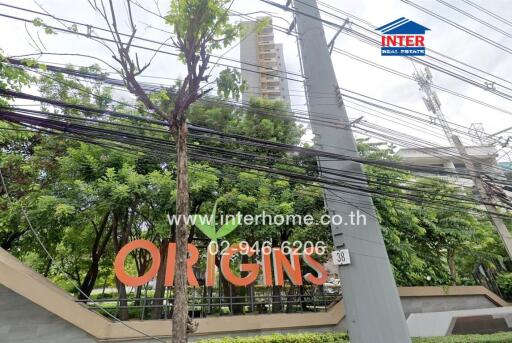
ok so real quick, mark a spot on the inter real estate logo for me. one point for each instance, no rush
(402, 37)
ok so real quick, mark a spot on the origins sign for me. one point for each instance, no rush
(273, 265)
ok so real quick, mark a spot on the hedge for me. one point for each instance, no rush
(341, 337)
(291, 338)
(502, 337)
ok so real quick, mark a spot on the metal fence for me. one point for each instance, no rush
(206, 301)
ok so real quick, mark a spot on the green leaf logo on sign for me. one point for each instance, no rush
(208, 226)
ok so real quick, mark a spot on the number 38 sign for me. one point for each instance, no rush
(341, 257)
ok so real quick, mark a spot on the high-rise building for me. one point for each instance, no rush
(263, 65)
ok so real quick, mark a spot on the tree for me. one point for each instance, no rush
(199, 27)
(16, 144)
(428, 236)
(256, 192)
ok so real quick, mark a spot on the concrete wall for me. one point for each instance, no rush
(445, 303)
(32, 309)
(23, 321)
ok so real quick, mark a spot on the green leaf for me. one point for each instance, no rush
(29, 62)
(49, 31)
(37, 22)
(207, 228)
(227, 228)
(63, 210)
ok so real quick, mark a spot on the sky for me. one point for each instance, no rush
(16, 39)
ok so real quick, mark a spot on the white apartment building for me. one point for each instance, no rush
(263, 65)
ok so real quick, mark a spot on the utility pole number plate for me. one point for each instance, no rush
(341, 257)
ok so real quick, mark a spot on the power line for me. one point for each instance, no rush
(406, 76)
(41, 12)
(217, 103)
(461, 27)
(124, 35)
(352, 186)
(252, 141)
(286, 114)
(160, 51)
(401, 141)
(469, 15)
(486, 11)
(110, 112)
(430, 50)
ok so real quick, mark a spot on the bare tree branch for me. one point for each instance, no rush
(66, 54)
(34, 43)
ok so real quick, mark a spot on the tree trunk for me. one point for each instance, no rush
(48, 267)
(451, 265)
(89, 280)
(123, 301)
(158, 302)
(142, 263)
(303, 298)
(138, 296)
(277, 305)
(9, 241)
(97, 251)
(180, 308)
(118, 240)
(104, 286)
(290, 299)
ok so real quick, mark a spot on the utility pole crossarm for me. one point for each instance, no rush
(333, 40)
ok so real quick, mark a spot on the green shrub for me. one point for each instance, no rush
(494, 338)
(341, 337)
(291, 338)
(504, 281)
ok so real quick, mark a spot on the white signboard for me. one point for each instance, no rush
(341, 257)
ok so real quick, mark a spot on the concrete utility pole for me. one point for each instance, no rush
(433, 104)
(374, 312)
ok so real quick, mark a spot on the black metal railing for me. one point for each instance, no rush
(204, 302)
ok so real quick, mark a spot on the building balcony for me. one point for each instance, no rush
(263, 55)
(267, 50)
(270, 71)
(266, 33)
(272, 85)
(268, 60)
(271, 91)
(267, 78)
(266, 43)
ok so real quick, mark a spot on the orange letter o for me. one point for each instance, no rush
(121, 257)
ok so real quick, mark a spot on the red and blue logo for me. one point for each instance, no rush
(402, 37)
